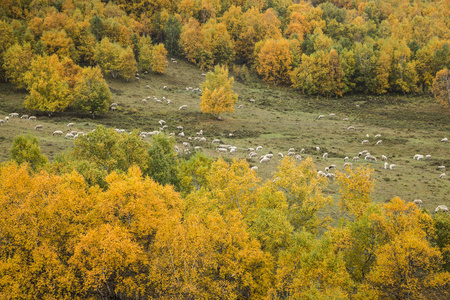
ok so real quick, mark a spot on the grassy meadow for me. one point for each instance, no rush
(280, 119)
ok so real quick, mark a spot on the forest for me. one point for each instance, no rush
(115, 216)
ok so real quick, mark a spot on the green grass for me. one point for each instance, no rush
(280, 119)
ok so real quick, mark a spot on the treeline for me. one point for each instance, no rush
(118, 218)
(318, 47)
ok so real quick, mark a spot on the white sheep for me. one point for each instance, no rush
(383, 157)
(202, 139)
(346, 158)
(252, 155)
(379, 142)
(215, 141)
(356, 158)
(181, 134)
(427, 157)
(222, 150)
(321, 116)
(386, 165)
(442, 176)
(14, 115)
(280, 155)
(325, 155)
(317, 148)
(264, 160)
(200, 132)
(57, 132)
(6, 119)
(259, 148)
(302, 150)
(70, 124)
(377, 136)
(345, 119)
(182, 107)
(185, 144)
(252, 100)
(351, 128)
(441, 168)
(240, 106)
(418, 202)
(255, 168)
(290, 153)
(347, 164)
(444, 140)
(364, 142)
(370, 157)
(113, 108)
(391, 166)
(69, 136)
(32, 118)
(198, 148)
(39, 126)
(331, 115)
(24, 117)
(442, 208)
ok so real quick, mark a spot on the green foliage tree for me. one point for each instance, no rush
(111, 150)
(25, 149)
(172, 32)
(163, 164)
(218, 96)
(91, 92)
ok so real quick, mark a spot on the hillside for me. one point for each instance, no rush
(279, 119)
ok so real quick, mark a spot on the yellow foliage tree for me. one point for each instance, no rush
(159, 59)
(274, 61)
(218, 96)
(441, 87)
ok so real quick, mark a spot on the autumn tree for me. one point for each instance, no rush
(159, 59)
(25, 149)
(107, 56)
(7, 38)
(218, 96)
(441, 87)
(48, 89)
(274, 61)
(17, 62)
(127, 63)
(57, 42)
(91, 92)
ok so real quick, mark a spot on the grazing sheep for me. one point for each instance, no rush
(200, 132)
(161, 122)
(346, 158)
(347, 164)
(332, 167)
(325, 155)
(222, 150)
(302, 151)
(331, 115)
(32, 118)
(58, 132)
(255, 168)
(259, 148)
(182, 107)
(70, 124)
(364, 142)
(442, 176)
(383, 157)
(345, 119)
(113, 108)
(330, 175)
(6, 119)
(252, 100)
(197, 148)
(290, 153)
(14, 115)
(442, 208)
(356, 158)
(216, 141)
(441, 168)
(232, 150)
(185, 144)
(24, 117)
(181, 134)
(386, 165)
(250, 149)
(392, 167)
(252, 155)
(321, 116)
(444, 140)
(264, 160)
(39, 126)
(69, 136)
(427, 157)
(351, 128)
(202, 139)
(317, 148)
(377, 136)
(241, 106)
(281, 155)
(379, 142)
(418, 202)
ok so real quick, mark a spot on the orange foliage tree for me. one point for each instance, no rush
(274, 61)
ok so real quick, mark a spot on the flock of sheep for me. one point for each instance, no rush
(255, 154)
